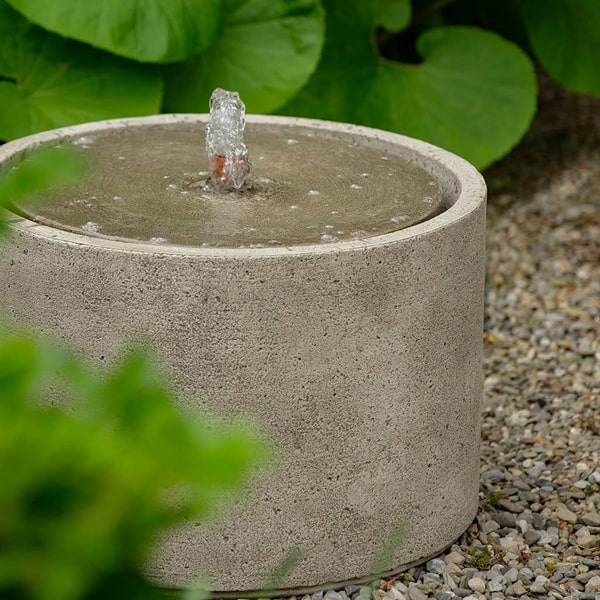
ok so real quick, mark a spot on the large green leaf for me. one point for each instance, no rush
(392, 15)
(52, 82)
(565, 35)
(266, 52)
(474, 93)
(145, 30)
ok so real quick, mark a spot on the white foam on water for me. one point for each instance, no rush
(84, 141)
(327, 237)
(91, 227)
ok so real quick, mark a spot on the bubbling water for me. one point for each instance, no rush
(227, 153)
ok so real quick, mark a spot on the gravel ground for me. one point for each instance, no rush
(537, 533)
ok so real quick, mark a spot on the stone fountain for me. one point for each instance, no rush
(330, 285)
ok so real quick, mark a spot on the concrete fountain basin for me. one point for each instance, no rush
(359, 355)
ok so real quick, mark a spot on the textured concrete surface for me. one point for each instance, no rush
(362, 359)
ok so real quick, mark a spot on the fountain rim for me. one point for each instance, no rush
(471, 195)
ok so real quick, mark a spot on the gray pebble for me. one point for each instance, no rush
(455, 558)
(510, 506)
(504, 519)
(395, 594)
(496, 581)
(516, 589)
(537, 521)
(477, 584)
(591, 519)
(593, 584)
(490, 526)
(436, 565)
(414, 593)
(526, 574)
(532, 537)
(534, 564)
(432, 579)
(523, 525)
(509, 544)
(398, 585)
(594, 564)
(538, 586)
(493, 474)
(470, 572)
(564, 514)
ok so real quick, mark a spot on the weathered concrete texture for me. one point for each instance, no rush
(362, 359)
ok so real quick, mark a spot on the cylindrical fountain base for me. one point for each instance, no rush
(361, 359)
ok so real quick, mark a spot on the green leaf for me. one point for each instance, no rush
(43, 169)
(53, 82)
(86, 492)
(473, 94)
(145, 30)
(266, 52)
(392, 15)
(565, 35)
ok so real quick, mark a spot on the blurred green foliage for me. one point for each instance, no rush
(88, 486)
(42, 169)
(457, 73)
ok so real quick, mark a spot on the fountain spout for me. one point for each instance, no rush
(228, 156)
